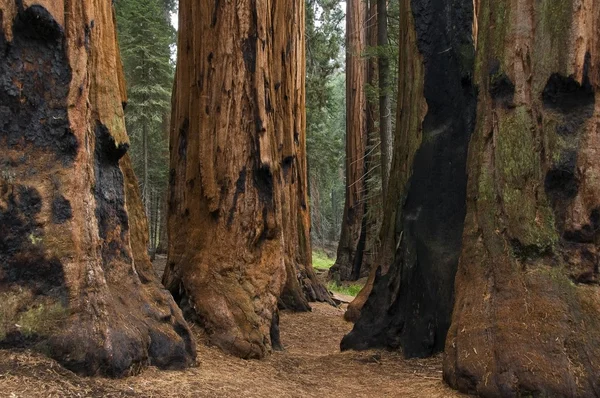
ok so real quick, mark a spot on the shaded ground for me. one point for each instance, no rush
(310, 366)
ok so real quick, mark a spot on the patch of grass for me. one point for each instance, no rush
(348, 290)
(321, 260)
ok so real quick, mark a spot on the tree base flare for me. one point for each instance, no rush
(75, 281)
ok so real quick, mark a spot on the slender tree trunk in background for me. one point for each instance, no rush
(74, 273)
(356, 139)
(367, 244)
(410, 305)
(162, 246)
(238, 152)
(318, 229)
(527, 314)
(333, 231)
(163, 235)
(301, 284)
(153, 220)
(145, 182)
(385, 103)
(410, 114)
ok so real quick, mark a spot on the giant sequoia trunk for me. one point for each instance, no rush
(411, 300)
(527, 315)
(75, 280)
(238, 211)
(349, 251)
(301, 284)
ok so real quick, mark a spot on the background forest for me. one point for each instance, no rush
(465, 203)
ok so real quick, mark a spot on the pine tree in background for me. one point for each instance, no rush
(325, 112)
(146, 38)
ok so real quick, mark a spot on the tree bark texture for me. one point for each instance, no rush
(301, 285)
(410, 305)
(75, 280)
(356, 139)
(527, 315)
(238, 211)
(368, 242)
(385, 104)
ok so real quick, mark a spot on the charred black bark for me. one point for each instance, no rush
(274, 333)
(71, 286)
(40, 117)
(19, 233)
(411, 306)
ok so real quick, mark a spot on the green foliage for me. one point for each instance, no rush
(325, 112)
(147, 39)
(321, 260)
(347, 290)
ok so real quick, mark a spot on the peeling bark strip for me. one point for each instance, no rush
(527, 315)
(75, 280)
(238, 181)
(410, 305)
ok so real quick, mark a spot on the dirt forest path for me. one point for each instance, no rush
(310, 366)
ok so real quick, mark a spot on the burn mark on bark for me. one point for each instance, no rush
(249, 53)
(562, 185)
(87, 35)
(34, 85)
(61, 210)
(240, 188)
(165, 352)
(41, 25)
(584, 235)
(111, 214)
(263, 181)
(287, 164)
(587, 233)
(23, 261)
(213, 22)
(501, 88)
(574, 101)
(529, 252)
(408, 307)
(183, 133)
(565, 95)
(260, 127)
(274, 333)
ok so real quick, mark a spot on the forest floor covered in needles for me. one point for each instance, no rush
(310, 366)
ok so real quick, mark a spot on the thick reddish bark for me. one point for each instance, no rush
(527, 315)
(75, 281)
(238, 211)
